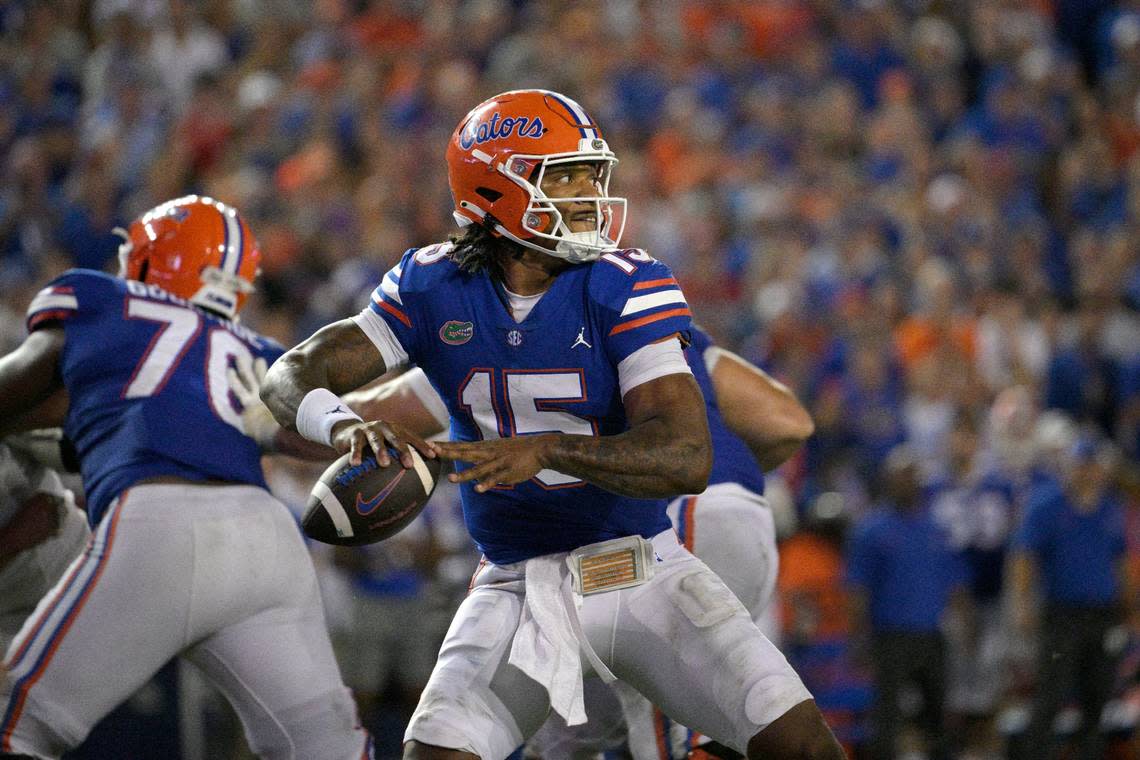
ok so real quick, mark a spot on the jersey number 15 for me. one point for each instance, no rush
(522, 408)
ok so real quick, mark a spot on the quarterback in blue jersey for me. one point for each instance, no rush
(755, 423)
(190, 555)
(574, 415)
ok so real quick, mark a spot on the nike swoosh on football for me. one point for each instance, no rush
(366, 507)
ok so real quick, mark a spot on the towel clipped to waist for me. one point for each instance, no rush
(548, 644)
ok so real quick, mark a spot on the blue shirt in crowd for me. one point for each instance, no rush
(906, 565)
(1077, 553)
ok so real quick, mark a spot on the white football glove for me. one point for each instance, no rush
(256, 419)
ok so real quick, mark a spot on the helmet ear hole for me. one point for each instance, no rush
(490, 194)
(142, 270)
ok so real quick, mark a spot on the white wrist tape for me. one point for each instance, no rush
(320, 409)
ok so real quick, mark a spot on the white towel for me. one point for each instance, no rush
(548, 644)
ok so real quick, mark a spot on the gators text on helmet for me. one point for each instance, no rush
(496, 160)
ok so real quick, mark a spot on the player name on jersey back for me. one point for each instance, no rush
(150, 290)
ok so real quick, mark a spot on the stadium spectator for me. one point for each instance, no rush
(802, 166)
(902, 573)
(816, 624)
(1069, 553)
(975, 500)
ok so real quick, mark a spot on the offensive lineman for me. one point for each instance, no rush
(190, 555)
(574, 416)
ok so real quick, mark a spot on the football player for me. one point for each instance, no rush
(574, 416)
(976, 501)
(41, 532)
(191, 556)
(756, 424)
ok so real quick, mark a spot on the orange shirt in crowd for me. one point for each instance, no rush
(812, 596)
(918, 336)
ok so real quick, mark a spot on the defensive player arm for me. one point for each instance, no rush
(665, 452)
(761, 410)
(29, 379)
(337, 358)
(408, 399)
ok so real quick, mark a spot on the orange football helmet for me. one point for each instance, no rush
(196, 248)
(496, 160)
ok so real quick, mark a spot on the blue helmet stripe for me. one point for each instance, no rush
(581, 120)
(240, 246)
(232, 242)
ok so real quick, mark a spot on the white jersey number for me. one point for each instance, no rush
(527, 392)
(180, 326)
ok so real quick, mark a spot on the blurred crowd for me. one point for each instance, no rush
(921, 215)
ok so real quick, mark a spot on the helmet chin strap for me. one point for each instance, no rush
(582, 244)
(219, 292)
(217, 300)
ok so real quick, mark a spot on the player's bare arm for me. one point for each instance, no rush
(340, 358)
(665, 452)
(397, 399)
(29, 378)
(760, 409)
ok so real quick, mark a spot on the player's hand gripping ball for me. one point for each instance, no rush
(362, 504)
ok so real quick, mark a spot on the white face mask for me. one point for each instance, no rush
(125, 249)
(609, 211)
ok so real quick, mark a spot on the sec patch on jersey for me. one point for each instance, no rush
(362, 504)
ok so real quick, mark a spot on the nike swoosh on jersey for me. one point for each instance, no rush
(366, 507)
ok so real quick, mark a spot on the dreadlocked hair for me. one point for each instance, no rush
(476, 248)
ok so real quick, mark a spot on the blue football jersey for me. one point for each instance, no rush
(733, 461)
(146, 376)
(979, 516)
(554, 371)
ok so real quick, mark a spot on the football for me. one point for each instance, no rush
(354, 505)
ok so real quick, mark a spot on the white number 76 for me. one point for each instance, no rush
(179, 328)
